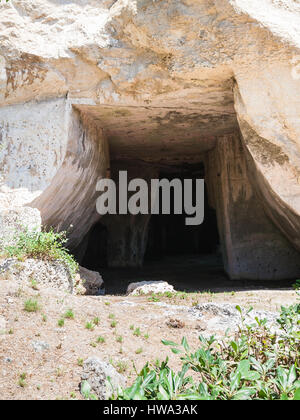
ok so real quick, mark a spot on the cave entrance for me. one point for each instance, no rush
(188, 257)
(152, 142)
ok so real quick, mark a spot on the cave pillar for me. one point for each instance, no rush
(253, 247)
(127, 234)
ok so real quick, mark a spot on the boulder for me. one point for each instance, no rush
(100, 379)
(52, 274)
(219, 317)
(91, 282)
(149, 287)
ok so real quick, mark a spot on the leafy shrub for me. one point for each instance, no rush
(257, 364)
(296, 285)
(42, 245)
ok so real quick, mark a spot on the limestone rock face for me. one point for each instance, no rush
(86, 82)
(52, 274)
(12, 220)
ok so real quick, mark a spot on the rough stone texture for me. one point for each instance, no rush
(252, 246)
(223, 316)
(148, 287)
(69, 201)
(46, 273)
(16, 219)
(92, 282)
(161, 81)
(40, 346)
(52, 274)
(96, 373)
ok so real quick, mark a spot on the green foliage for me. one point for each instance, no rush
(69, 314)
(86, 391)
(96, 321)
(296, 285)
(137, 332)
(61, 322)
(31, 305)
(42, 245)
(89, 326)
(22, 378)
(256, 364)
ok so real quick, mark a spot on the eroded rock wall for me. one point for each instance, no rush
(252, 246)
(69, 201)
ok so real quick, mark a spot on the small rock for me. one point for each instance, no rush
(95, 374)
(9, 299)
(8, 360)
(148, 287)
(127, 303)
(91, 282)
(40, 346)
(175, 323)
(2, 324)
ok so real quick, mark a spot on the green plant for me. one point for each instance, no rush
(34, 284)
(89, 326)
(137, 332)
(121, 366)
(255, 364)
(113, 324)
(31, 305)
(296, 285)
(80, 362)
(22, 378)
(153, 298)
(100, 340)
(61, 322)
(69, 314)
(42, 245)
(119, 339)
(139, 350)
(86, 391)
(96, 321)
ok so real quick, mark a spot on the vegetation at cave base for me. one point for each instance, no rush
(258, 364)
(41, 245)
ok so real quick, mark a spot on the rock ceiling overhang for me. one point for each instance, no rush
(161, 134)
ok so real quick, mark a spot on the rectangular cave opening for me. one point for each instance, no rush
(126, 248)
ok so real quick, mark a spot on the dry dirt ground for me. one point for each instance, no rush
(132, 328)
